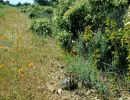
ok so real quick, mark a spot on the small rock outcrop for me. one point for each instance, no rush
(69, 84)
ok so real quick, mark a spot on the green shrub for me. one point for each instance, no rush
(65, 39)
(41, 27)
(102, 90)
(110, 50)
(106, 16)
(70, 16)
(101, 10)
(89, 76)
(37, 11)
(59, 11)
(45, 2)
(68, 58)
(48, 9)
(85, 71)
(73, 16)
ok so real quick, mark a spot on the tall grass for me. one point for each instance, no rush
(23, 58)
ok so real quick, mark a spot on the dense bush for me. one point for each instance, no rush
(41, 2)
(74, 16)
(65, 39)
(85, 71)
(45, 2)
(59, 11)
(1, 1)
(37, 11)
(41, 27)
(110, 51)
(106, 16)
(101, 10)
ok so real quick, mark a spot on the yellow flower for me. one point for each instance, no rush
(30, 64)
(21, 75)
(1, 65)
(20, 70)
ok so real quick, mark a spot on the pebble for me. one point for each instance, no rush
(59, 91)
(50, 88)
(121, 98)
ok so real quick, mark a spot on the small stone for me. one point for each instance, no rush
(51, 82)
(50, 88)
(88, 92)
(96, 98)
(121, 98)
(69, 84)
(59, 91)
(62, 66)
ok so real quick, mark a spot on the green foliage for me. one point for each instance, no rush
(59, 11)
(73, 16)
(110, 50)
(102, 90)
(65, 39)
(41, 2)
(67, 14)
(2, 14)
(45, 2)
(41, 27)
(37, 11)
(89, 76)
(7, 2)
(101, 39)
(85, 71)
(1, 1)
(68, 58)
(119, 51)
(101, 10)
(18, 4)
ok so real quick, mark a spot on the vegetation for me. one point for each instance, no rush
(1, 1)
(24, 58)
(41, 27)
(37, 11)
(45, 2)
(95, 30)
(94, 34)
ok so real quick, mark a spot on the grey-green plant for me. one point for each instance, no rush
(85, 70)
(103, 90)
